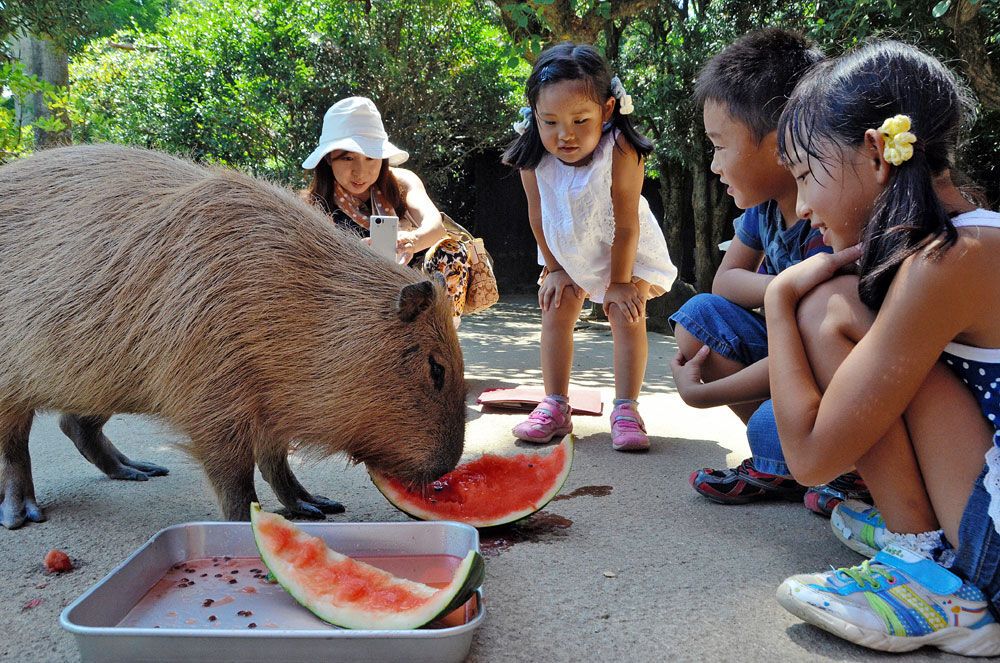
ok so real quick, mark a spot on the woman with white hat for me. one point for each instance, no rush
(355, 176)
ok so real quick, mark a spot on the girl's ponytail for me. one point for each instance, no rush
(621, 121)
(905, 213)
(527, 149)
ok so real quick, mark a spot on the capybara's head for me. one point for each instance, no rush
(417, 431)
(395, 372)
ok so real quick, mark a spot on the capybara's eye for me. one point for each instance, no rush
(437, 374)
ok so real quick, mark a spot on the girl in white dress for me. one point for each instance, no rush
(581, 164)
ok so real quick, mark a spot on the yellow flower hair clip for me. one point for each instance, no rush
(898, 139)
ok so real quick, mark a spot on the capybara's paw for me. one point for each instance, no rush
(302, 510)
(326, 505)
(16, 512)
(149, 468)
(133, 470)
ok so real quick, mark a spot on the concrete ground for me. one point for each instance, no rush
(650, 571)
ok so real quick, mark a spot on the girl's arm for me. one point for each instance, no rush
(426, 216)
(745, 386)
(550, 292)
(627, 172)
(530, 184)
(824, 433)
(737, 279)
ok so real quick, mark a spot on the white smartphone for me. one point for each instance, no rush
(383, 230)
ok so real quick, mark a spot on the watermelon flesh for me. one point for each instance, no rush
(350, 593)
(488, 491)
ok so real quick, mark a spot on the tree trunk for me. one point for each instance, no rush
(971, 29)
(43, 59)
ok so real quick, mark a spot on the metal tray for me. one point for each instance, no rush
(152, 607)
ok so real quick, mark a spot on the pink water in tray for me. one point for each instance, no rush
(234, 593)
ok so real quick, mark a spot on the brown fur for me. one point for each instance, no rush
(133, 281)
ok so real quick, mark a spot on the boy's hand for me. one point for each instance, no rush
(551, 290)
(626, 297)
(687, 374)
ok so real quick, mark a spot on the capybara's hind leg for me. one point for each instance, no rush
(17, 490)
(90, 440)
(273, 464)
(230, 470)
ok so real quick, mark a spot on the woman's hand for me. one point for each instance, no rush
(551, 290)
(687, 374)
(626, 297)
(405, 246)
(795, 282)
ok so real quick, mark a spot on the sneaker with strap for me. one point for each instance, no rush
(628, 432)
(824, 499)
(744, 484)
(898, 602)
(549, 419)
(860, 527)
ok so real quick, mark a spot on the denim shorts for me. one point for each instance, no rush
(978, 556)
(727, 328)
(765, 447)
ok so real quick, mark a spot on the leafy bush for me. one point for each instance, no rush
(246, 83)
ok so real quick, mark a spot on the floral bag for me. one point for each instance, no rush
(482, 291)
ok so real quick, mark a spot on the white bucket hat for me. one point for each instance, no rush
(355, 125)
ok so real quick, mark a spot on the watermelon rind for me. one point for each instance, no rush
(467, 578)
(419, 511)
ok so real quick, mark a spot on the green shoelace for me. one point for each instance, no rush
(866, 575)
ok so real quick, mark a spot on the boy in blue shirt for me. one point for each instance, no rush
(721, 339)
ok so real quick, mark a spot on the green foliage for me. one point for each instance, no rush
(246, 82)
(71, 23)
(19, 88)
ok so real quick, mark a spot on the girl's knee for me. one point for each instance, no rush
(620, 322)
(834, 308)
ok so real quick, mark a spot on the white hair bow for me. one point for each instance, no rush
(522, 125)
(625, 106)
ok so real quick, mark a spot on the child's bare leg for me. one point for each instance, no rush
(832, 320)
(950, 437)
(631, 348)
(557, 342)
(715, 367)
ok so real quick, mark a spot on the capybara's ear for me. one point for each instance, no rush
(414, 300)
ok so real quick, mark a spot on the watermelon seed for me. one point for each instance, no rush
(218, 575)
(207, 603)
(212, 618)
(232, 581)
(252, 625)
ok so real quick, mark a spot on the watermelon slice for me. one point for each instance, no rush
(488, 491)
(349, 593)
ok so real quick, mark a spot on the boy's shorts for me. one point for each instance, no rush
(727, 328)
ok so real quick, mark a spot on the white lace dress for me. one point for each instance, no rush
(579, 224)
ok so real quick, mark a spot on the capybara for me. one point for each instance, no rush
(134, 281)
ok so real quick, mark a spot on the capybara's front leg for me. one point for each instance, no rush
(90, 440)
(273, 464)
(17, 490)
(229, 465)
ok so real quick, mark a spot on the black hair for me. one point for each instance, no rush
(834, 106)
(569, 62)
(754, 76)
